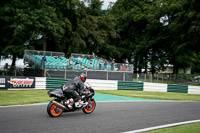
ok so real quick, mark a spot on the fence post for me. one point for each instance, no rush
(45, 72)
(107, 76)
(65, 74)
(157, 77)
(123, 76)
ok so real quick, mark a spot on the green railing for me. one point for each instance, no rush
(177, 88)
(129, 85)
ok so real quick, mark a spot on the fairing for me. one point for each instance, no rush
(56, 93)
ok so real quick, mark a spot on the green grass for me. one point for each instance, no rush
(189, 128)
(36, 96)
(20, 97)
(152, 95)
(197, 84)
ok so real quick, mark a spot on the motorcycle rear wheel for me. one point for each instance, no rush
(90, 108)
(53, 110)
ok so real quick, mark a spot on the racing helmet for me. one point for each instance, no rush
(83, 77)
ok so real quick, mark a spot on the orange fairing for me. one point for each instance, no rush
(88, 110)
(53, 110)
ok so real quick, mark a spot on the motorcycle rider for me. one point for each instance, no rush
(75, 87)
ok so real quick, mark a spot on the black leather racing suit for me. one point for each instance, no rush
(74, 88)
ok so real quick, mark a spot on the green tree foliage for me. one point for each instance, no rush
(141, 35)
(184, 27)
(149, 33)
(93, 31)
(28, 22)
(157, 33)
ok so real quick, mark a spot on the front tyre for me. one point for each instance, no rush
(53, 110)
(90, 107)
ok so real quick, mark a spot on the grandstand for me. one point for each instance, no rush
(56, 61)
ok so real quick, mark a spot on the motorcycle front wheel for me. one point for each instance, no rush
(90, 107)
(53, 110)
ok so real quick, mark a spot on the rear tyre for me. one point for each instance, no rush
(53, 110)
(90, 107)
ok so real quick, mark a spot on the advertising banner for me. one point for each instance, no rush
(2, 83)
(20, 82)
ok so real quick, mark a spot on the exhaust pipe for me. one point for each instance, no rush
(59, 105)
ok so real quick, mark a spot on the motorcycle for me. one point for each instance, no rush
(63, 103)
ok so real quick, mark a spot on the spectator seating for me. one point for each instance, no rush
(52, 62)
(62, 63)
(94, 65)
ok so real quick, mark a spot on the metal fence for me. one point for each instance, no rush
(47, 53)
(89, 56)
(166, 78)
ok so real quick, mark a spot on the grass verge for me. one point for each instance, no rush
(152, 95)
(20, 97)
(189, 128)
(36, 96)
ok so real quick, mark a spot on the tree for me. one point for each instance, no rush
(156, 33)
(183, 26)
(10, 43)
(141, 36)
(93, 30)
(28, 22)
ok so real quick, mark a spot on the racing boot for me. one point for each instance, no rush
(69, 103)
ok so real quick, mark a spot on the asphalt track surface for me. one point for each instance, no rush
(108, 117)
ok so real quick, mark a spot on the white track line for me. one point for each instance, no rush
(162, 126)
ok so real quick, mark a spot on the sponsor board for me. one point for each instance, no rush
(24, 82)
